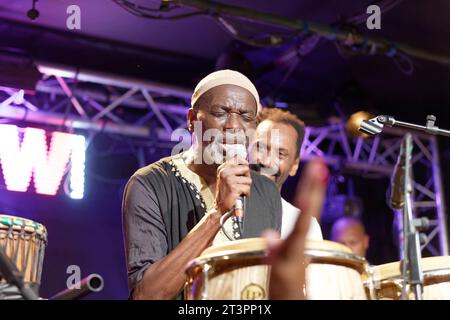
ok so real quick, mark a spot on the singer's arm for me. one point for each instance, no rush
(165, 278)
(154, 273)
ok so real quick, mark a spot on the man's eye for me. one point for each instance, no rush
(218, 114)
(248, 117)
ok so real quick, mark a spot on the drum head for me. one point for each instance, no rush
(16, 224)
(260, 245)
(328, 252)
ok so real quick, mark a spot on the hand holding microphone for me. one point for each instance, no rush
(233, 178)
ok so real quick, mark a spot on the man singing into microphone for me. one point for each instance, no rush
(172, 208)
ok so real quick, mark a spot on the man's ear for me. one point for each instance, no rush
(191, 117)
(366, 242)
(294, 168)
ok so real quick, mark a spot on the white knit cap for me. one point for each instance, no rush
(221, 77)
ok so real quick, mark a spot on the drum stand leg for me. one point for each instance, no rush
(14, 277)
(370, 285)
(418, 291)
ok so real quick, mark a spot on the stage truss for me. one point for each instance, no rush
(147, 113)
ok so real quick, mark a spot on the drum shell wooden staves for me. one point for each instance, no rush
(235, 270)
(387, 281)
(24, 242)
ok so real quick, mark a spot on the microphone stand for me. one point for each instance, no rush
(90, 284)
(375, 125)
(410, 266)
(14, 277)
(412, 256)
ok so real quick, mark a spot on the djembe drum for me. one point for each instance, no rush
(24, 242)
(235, 270)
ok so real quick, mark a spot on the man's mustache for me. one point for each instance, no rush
(258, 167)
(230, 137)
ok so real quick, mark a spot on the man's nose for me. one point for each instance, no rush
(264, 161)
(233, 122)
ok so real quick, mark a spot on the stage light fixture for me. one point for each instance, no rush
(33, 13)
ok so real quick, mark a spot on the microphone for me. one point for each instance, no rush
(375, 125)
(397, 199)
(371, 127)
(238, 210)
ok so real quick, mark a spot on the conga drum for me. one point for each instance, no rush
(24, 242)
(235, 270)
(388, 283)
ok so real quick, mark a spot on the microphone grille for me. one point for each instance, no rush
(239, 150)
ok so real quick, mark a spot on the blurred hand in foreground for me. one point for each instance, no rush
(287, 277)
